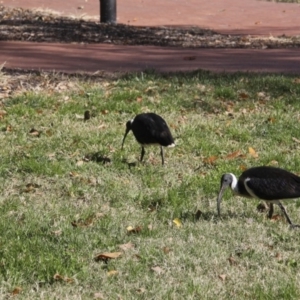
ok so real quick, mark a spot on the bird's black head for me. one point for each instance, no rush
(226, 181)
(128, 128)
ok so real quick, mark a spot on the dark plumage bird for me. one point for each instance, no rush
(266, 183)
(150, 129)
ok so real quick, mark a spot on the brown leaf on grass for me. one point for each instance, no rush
(8, 128)
(296, 140)
(232, 261)
(112, 273)
(222, 277)
(139, 99)
(234, 154)
(34, 132)
(243, 167)
(210, 160)
(98, 296)
(107, 255)
(56, 232)
(273, 163)
(131, 229)
(252, 152)
(104, 112)
(271, 120)
(243, 95)
(49, 132)
(296, 80)
(127, 246)
(58, 277)
(79, 163)
(74, 174)
(276, 218)
(16, 291)
(84, 222)
(158, 270)
(167, 250)
(30, 187)
(3, 113)
(141, 290)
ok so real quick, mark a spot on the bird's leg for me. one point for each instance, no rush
(142, 153)
(162, 155)
(286, 215)
(271, 210)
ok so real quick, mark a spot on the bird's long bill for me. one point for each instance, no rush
(219, 199)
(126, 132)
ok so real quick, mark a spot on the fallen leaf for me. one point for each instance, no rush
(177, 222)
(271, 120)
(139, 99)
(296, 80)
(232, 261)
(276, 218)
(243, 167)
(127, 246)
(79, 163)
(112, 273)
(234, 154)
(296, 140)
(141, 290)
(107, 255)
(34, 132)
(157, 270)
(8, 128)
(16, 291)
(252, 152)
(210, 160)
(58, 277)
(243, 95)
(104, 112)
(98, 296)
(273, 163)
(74, 174)
(167, 250)
(131, 229)
(222, 277)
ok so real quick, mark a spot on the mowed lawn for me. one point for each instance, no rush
(83, 219)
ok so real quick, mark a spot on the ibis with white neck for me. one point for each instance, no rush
(150, 129)
(266, 183)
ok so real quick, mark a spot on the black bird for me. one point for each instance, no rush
(266, 183)
(150, 129)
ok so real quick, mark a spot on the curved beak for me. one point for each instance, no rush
(219, 199)
(126, 132)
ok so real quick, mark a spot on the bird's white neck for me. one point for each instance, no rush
(233, 185)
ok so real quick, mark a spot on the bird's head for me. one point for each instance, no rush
(227, 180)
(128, 128)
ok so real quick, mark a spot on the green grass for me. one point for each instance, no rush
(48, 183)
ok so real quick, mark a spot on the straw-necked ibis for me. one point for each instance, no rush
(266, 183)
(150, 129)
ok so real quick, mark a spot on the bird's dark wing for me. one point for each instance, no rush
(152, 129)
(284, 186)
